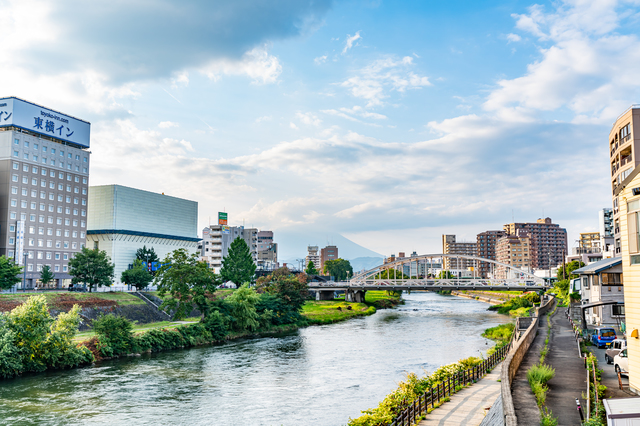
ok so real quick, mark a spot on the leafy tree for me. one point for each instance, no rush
(291, 289)
(91, 267)
(390, 274)
(46, 275)
(311, 269)
(445, 275)
(114, 335)
(243, 303)
(188, 280)
(565, 271)
(339, 269)
(138, 276)
(238, 266)
(9, 273)
(145, 254)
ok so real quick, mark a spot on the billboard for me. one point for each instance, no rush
(32, 117)
(222, 218)
(19, 242)
(226, 229)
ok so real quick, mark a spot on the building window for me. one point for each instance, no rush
(10, 253)
(65, 256)
(14, 203)
(12, 240)
(12, 228)
(26, 144)
(16, 154)
(57, 268)
(84, 180)
(617, 310)
(16, 141)
(64, 268)
(57, 256)
(14, 178)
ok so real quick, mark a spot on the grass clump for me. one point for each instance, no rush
(538, 376)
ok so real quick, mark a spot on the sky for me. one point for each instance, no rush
(388, 123)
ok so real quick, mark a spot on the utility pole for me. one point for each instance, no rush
(24, 276)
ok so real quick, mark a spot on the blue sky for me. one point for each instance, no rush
(387, 122)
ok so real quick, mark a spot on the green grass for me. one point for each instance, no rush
(372, 296)
(120, 297)
(326, 312)
(86, 335)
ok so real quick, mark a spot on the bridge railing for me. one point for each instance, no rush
(432, 397)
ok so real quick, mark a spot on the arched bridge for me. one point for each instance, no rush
(433, 272)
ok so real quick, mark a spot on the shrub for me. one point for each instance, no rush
(499, 332)
(114, 335)
(511, 305)
(216, 324)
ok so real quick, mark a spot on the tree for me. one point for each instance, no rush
(291, 289)
(311, 269)
(188, 280)
(565, 271)
(445, 275)
(46, 275)
(243, 302)
(390, 274)
(238, 266)
(145, 254)
(91, 267)
(339, 269)
(9, 273)
(138, 276)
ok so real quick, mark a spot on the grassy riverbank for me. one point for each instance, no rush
(330, 311)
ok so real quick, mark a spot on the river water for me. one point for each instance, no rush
(319, 375)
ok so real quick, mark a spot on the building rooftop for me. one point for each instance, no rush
(599, 266)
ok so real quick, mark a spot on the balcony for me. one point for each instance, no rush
(625, 139)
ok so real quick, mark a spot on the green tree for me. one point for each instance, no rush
(568, 268)
(243, 308)
(390, 274)
(91, 267)
(291, 289)
(339, 269)
(311, 269)
(145, 254)
(238, 266)
(189, 282)
(46, 275)
(9, 273)
(138, 276)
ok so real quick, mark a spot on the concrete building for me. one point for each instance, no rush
(267, 255)
(451, 246)
(486, 248)
(121, 220)
(623, 149)
(328, 253)
(216, 240)
(627, 219)
(313, 256)
(44, 173)
(602, 282)
(605, 225)
(513, 250)
(548, 242)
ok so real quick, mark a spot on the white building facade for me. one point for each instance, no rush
(123, 220)
(216, 240)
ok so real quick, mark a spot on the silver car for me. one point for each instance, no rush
(621, 363)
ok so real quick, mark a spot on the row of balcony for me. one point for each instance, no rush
(623, 141)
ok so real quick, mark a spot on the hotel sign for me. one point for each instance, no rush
(222, 218)
(34, 118)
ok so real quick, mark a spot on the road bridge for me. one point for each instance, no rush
(390, 276)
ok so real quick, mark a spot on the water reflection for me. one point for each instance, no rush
(318, 375)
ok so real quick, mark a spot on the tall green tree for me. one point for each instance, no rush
(311, 269)
(445, 275)
(91, 267)
(243, 303)
(238, 266)
(9, 273)
(145, 254)
(339, 269)
(568, 268)
(390, 274)
(138, 276)
(291, 289)
(188, 280)
(46, 275)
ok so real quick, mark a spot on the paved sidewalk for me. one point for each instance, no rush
(524, 402)
(467, 407)
(570, 379)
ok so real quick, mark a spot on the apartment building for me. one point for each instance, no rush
(513, 250)
(44, 159)
(267, 255)
(451, 246)
(327, 253)
(548, 242)
(313, 256)
(605, 225)
(216, 240)
(486, 249)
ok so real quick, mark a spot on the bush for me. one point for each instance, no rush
(512, 305)
(114, 335)
(499, 332)
(216, 324)
(538, 376)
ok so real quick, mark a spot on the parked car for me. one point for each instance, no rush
(621, 362)
(78, 288)
(613, 350)
(603, 336)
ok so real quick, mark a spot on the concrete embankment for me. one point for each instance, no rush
(480, 297)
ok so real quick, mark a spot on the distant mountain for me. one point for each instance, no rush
(365, 263)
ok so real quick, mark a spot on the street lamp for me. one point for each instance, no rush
(24, 270)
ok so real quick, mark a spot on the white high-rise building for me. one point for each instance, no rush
(216, 240)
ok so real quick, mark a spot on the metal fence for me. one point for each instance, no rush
(433, 396)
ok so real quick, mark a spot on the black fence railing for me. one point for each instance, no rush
(433, 396)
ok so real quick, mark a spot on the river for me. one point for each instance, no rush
(319, 375)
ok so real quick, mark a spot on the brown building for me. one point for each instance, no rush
(328, 253)
(451, 246)
(623, 147)
(548, 242)
(513, 250)
(486, 248)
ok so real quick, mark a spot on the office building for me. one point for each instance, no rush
(513, 250)
(216, 240)
(451, 246)
(267, 255)
(548, 242)
(122, 220)
(44, 159)
(313, 256)
(328, 253)
(486, 249)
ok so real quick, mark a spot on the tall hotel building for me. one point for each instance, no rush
(44, 176)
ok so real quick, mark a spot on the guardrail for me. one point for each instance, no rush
(433, 396)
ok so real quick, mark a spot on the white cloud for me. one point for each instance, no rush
(257, 64)
(293, 126)
(350, 40)
(320, 60)
(308, 118)
(264, 118)
(168, 124)
(513, 38)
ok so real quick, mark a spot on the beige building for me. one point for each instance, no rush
(451, 246)
(589, 240)
(548, 242)
(312, 256)
(515, 251)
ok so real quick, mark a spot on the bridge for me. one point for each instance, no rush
(390, 276)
